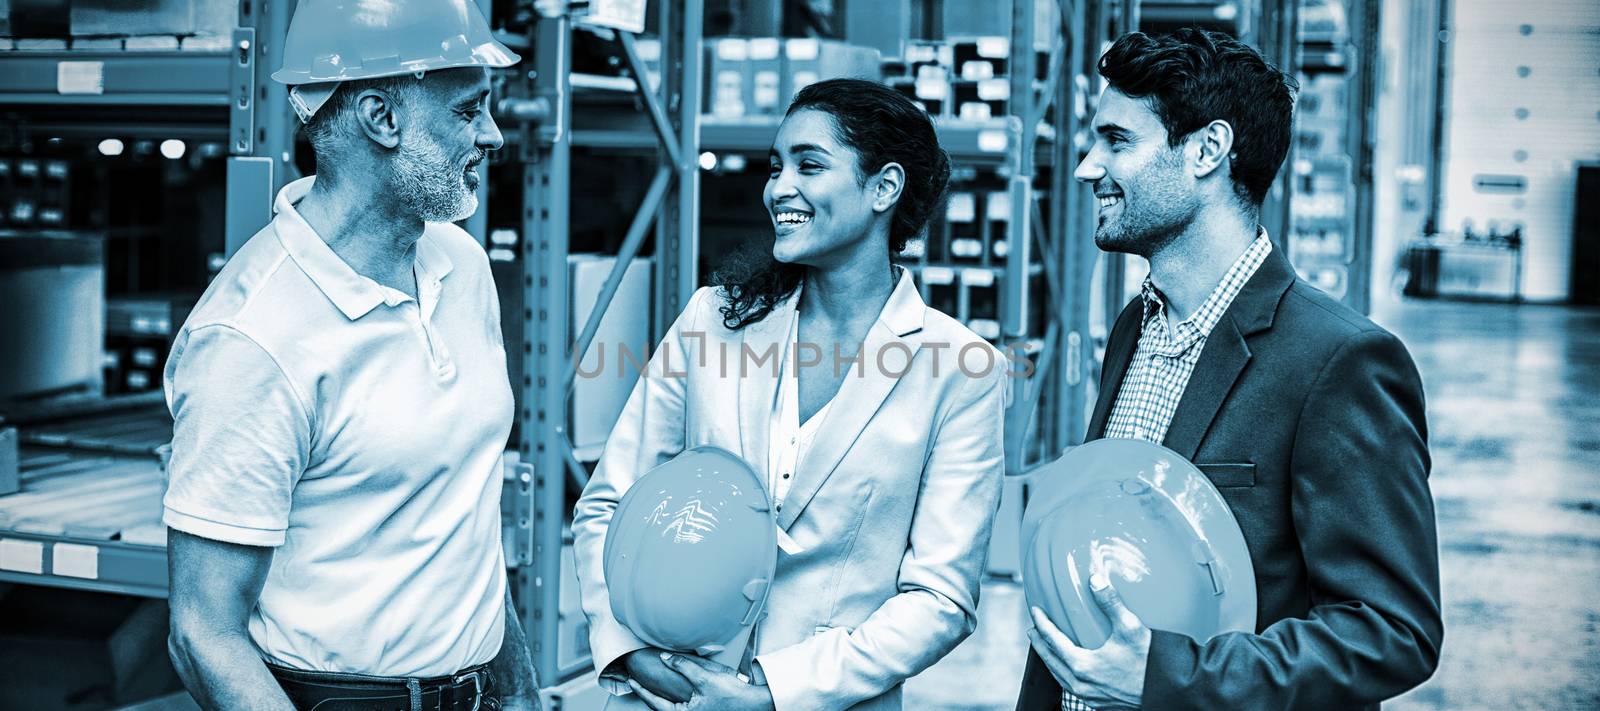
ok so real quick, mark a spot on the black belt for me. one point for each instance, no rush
(469, 690)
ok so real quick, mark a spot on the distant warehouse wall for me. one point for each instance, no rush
(1523, 109)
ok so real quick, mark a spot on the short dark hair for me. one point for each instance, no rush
(1192, 77)
(884, 126)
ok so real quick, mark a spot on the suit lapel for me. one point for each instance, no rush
(896, 336)
(1119, 353)
(1226, 354)
(756, 371)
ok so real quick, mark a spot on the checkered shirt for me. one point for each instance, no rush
(1167, 352)
(1163, 362)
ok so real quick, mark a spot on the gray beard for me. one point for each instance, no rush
(425, 179)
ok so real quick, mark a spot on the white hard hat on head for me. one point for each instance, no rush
(331, 41)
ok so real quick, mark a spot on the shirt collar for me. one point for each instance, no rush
(355, 295)
(1206, 317)
(903, 313)
(905, 310)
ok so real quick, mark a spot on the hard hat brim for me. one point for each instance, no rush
(490, 54)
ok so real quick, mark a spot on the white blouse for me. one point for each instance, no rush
(789, 438)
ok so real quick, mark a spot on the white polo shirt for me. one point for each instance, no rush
(359, 431)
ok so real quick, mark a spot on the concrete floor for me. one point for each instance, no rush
(1514, 413)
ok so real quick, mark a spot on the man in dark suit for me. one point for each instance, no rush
(1307, 417)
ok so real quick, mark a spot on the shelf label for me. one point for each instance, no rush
(80, 78)
(75, 560)
(22, 556)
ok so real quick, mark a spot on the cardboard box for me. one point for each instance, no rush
(727, 77)
(764, 91)
(809, 60)
(621, 346)
(53, 320)
(121, 18)
(980, 57)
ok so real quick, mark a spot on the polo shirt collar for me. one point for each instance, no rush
(355, 295)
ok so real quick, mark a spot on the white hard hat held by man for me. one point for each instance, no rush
(340, 398)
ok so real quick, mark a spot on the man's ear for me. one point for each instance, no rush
(887, 185)
(376, 113)
(1212, 147)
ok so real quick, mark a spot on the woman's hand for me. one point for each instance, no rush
(714, 687)
(646, 667)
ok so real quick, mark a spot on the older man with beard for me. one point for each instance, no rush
(341, 401)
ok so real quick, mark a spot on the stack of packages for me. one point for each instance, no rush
(194, 25)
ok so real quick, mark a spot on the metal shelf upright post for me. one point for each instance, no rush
(540, 495)
(538, 492)
(678, 227)
(1071, 226)
(260, 125)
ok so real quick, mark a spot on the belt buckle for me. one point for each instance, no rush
(477, 686)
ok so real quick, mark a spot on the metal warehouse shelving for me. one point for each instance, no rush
(88, 516)
(114, 77)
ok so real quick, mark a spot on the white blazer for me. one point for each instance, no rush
(892, 505)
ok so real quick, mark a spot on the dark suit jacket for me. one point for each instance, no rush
(1309, 420)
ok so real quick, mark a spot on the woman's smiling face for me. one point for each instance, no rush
(820, 204)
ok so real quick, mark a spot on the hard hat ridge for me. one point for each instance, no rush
(691, 552)
(331, 41)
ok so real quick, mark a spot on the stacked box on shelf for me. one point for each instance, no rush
(52, 288)
(809, 60)
(727, 69)
(743, 77)
(8, 191)
(923, 74)
(997, 213)
(965, 78)
(939, 284)
(123, 25)
(36, 191)
(965, 232)
(764, 85)
(139, 332)
(980, 88)
(120, 18)
(983, 301)
(1320, 117)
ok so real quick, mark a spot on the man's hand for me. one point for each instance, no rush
(1106, 678)
(714, 687)
(645, 666)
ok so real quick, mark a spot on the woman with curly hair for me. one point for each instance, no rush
(875, 419)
